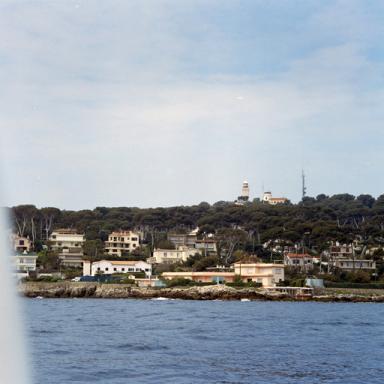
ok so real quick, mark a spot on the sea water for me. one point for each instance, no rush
(175, 341)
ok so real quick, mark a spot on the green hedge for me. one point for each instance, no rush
(332, 284)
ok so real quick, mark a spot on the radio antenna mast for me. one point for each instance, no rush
(304, 187)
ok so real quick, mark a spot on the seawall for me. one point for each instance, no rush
(216, 292)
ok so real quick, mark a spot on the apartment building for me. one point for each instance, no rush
(121, 242)
(69, 244)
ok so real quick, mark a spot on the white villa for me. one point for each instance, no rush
(170, 256)
(122, 241)
(116, 266)
(24, 264)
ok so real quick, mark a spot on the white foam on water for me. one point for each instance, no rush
(13, 355)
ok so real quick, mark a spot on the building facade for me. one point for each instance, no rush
(352, 265)
(268, 275)
(122, 242)
(116, 266)
(186, 239)
(69, 244)
(206, 246)
(171, 256)
(24, 263)
(269, 199)
(303, 261)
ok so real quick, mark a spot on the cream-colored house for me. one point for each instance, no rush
(69, 244)
(266, 274)
(116, 266)
(121, 241)
(24, 264)
(171, 256)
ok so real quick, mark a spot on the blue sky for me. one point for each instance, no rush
(159, 103)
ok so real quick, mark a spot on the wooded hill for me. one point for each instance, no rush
(316, 221)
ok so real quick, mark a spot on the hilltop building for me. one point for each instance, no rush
(268, 199)
(69, 244)
(120, 242)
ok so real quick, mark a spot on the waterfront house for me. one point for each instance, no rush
(121, 242)
(69, 245)
(268, 275)
(116, 266)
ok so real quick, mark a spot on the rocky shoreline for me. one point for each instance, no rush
(217, 292)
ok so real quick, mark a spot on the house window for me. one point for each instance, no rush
(115, 269)
(106, 269)
(131, 269)
(123, 269)
(98, 268)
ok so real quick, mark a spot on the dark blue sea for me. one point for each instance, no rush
(145, 341)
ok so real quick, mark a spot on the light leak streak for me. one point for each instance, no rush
(13, 356)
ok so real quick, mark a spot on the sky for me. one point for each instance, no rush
(167, 102)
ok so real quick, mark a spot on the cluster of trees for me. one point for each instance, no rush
(314, 221)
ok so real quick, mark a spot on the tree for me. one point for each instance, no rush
(48, 260)
(93, 249)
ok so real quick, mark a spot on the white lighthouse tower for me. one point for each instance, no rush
(245, 191)
(244, 197)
